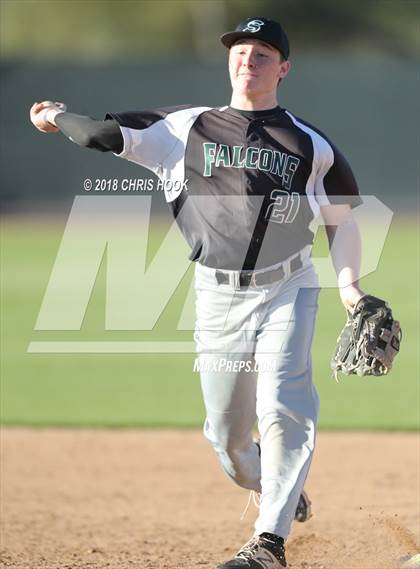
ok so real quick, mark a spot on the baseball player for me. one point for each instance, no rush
(257, 177)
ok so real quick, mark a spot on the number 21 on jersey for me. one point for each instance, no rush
(284, 208)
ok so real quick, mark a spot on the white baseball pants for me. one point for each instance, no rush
(253, 349)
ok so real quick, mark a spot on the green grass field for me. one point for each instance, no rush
(155, 390)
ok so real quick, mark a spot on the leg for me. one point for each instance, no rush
(230, 399)
(287, 406)
(225, 339)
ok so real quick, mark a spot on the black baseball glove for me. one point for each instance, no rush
(370, 340)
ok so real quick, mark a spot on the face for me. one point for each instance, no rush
(255, 67)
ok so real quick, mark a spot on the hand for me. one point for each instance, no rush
(38, 115)
(350, 296)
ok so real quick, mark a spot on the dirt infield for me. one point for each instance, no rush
(110, 499)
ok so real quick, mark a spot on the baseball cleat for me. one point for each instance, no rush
(303, 509)
(265, 551)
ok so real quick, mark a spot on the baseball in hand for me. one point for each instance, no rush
(39, 118)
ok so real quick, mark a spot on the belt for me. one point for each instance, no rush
(248, 278)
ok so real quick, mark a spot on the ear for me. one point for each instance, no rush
(284, 69)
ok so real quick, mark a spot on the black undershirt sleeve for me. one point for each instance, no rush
(101, 135)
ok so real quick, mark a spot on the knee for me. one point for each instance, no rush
(235, 454)
(221, 436)
(292, 429)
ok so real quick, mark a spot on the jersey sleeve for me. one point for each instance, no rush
(335, 182)
(149, 136)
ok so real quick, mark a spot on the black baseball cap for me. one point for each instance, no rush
(264, 29)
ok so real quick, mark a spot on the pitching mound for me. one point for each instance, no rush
(110, 499)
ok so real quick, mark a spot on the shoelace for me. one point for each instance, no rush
(254, 497)
(248, 549)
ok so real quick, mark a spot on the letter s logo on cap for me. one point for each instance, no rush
(253, 26)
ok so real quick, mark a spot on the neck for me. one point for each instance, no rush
(254, 102)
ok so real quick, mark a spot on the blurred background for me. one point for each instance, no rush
(355, 76)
